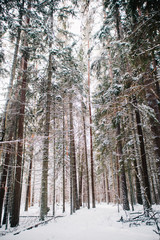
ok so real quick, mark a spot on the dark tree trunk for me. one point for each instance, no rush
(17, 184)
(17, 187)
(4, 175)
(33, 186)
(63, 160)
(138, 186)
(118, 181)
(86, 156)
(155, 74)
(74, 201)
(44, 186)
(132, 198)
(118, 21)
(81, 179)
(136, 161)
(104, 186)
(122, 170)
(145, 178)
(154, 121)
(54, 163)
(10, 180)
(75, 188)
(44, 182)
(107, 187)
(11, 176)
(91, 137)
(71, 155)
(28, 192)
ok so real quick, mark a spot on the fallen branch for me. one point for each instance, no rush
(151, 219)
(37, 224)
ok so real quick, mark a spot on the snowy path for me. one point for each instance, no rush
(94, 224)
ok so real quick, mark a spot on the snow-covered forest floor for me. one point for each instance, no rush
(99, 223)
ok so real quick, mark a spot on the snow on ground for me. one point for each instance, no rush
(94, 224)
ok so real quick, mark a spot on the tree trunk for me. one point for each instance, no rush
(63, 159)
(154, 121)
(107, 186)
(10, 180)
(4, 175)
(81, 179)
(91, 137)
(28, 192)
(17, 187)
(138, 186)
(104, 186)
(86, 155)
(54, 164)
(73, 175)
(131, 185)
(156, 77)
(33, 185)
(71, 155)
(136, 161)
(44, 184)
(113, 171)
(118, 181)
(145, 178)
(122, 170)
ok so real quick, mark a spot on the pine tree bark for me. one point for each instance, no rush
(73, 175)
(104, 186)
(138, 186)
(81, 170)
(4, 175)
(136, 161)
(28, 192)
(132, 197)
(154, 121)
(18, 174)
(122, 169)
(11, 175)
(156, 77)
(91, 136)
(44, 184)
(17, 187)
(118, 181)
(86, 155)
(10, 180)
(64, 185)
(114, 169)
(71, 155)
(107, 186)
(145, 178)
(33, 185)
(54, 163)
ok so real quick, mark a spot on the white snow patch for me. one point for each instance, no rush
(99, 223)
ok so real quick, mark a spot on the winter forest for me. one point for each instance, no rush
(79, 108)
